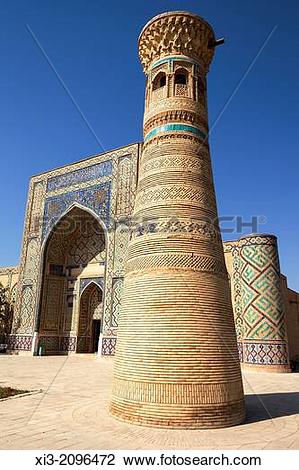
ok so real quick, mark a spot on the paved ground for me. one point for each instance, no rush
(72, 411)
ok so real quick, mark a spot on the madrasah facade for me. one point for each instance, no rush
(68, 288)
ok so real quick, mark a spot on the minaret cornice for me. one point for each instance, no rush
(176, 33)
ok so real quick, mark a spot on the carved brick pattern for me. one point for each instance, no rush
(176, 148)
(159, 94)
(108, 281)
(126, 187)
(177, 135)
(117, 296)
(37, 208)
(32, 261)
(176, 115)
(175, 103)
(122, 235)
(176, 193)
(178, 394)
(13, 293)
(176, 261)
(189, 163)
(175, 225)
(23, 320)
(176, 177)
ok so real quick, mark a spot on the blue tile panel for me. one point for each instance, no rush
(80, 176)
(96, 198)
(175, 127)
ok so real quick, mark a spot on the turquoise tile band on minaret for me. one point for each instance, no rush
(175, 127)
(174, 59)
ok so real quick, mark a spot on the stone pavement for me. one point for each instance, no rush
(71, 413)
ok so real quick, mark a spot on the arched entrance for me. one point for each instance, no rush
(90, 317)
(74, 253)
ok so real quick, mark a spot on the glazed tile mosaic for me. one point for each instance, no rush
(89, 173)
(96, 198)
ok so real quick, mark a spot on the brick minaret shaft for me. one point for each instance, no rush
(176, 361)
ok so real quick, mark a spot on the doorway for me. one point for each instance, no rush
(90, 316)
(96, 331)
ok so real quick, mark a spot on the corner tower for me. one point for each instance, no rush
(176, 361)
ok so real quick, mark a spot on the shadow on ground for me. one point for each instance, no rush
(271, 405)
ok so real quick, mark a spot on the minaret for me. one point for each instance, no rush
(176, 361)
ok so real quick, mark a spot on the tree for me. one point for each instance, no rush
(6, 312)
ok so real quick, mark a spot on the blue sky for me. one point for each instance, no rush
(93, 46)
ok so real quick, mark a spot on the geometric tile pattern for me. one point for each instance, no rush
(236, 286)
(108, 346)
(19, 342)
(177, 260)
(263, 320)
(258, 300)
(176, 192)
(263, 314)
(265, 354)
(24, 321)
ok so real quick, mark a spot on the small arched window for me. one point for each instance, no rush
(159, 81)
(181, 77)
